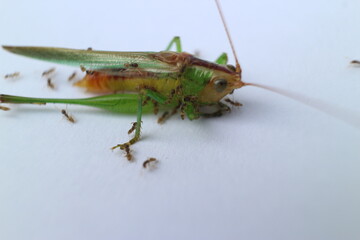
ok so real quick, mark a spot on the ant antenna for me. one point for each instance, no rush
(238, 68)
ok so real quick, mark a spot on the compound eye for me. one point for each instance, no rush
(220, 85)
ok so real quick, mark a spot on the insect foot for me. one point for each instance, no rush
(234, 103)
(166, 115)
(126, 147)
(163, 117)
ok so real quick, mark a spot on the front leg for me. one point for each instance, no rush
(157, 97)
(190, 108)
(220, 109)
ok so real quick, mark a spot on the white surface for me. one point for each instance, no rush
(273, 169)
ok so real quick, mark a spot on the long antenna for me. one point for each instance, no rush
(238, 68)
(332, 110)
(339, 113)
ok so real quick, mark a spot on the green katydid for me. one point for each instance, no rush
(145, 81)
(171, 80)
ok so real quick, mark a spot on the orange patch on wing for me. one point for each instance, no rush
(100, 82)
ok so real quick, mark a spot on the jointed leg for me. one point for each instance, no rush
(176, 41)
(166, 115)
(222, 107)
(154, 96)
(222, 59)
(175, 91)
(156, 107)
(234, 103)
(125, 146)
(154, 102)
(190, 108)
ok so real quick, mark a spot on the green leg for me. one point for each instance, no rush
(136, 137)
(191, 111)
(154, 96)
(222, 59)
(122, 103)
(176, 41)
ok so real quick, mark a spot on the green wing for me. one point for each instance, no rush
(93, 60)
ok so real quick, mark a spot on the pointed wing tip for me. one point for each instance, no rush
(9, 48)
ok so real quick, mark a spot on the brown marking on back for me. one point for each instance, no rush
(172, 58)
(202, 63)
(123, 73)
(181, 60)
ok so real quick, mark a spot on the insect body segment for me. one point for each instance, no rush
(128, 154)
(150, 163)
(132, 128)
(48, 72)
(50, 84)
(72, 76)
(68, 116)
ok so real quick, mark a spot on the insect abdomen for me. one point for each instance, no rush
(99, 82)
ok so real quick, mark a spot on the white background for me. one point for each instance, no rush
(274, 169)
